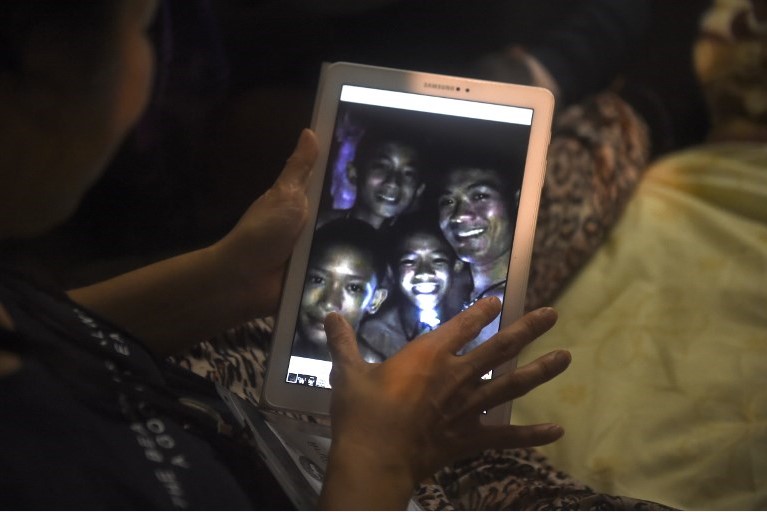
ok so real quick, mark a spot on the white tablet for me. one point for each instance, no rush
(423, 199)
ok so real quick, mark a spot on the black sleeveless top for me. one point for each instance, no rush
(93, 421)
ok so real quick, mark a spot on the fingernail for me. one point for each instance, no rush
(562, 357)
(547, 313)
(302, 138)
(555, 429)
(493, 300)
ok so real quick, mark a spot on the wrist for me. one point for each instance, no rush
(236, 279)
(363, 477)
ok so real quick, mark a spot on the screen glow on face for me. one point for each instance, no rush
(389, 180)
(470, 213)
(425, 272)
(474, 215)
(340, 279)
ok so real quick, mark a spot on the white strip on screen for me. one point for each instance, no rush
(302, 368)
(437, 105)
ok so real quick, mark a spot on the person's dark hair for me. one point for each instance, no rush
(354, 233)
(507, 163)
(377, 133)
(408, 225)
(85, 26)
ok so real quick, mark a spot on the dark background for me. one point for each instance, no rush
(236, 85)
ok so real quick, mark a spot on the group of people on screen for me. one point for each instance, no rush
(428, 230)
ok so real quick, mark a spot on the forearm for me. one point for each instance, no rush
(177, 302)
(184, 300)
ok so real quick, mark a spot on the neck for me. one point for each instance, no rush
(410, 316)
(486, 275)
(367, 216)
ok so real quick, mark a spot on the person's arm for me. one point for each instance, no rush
(396, 423)
(189, 298)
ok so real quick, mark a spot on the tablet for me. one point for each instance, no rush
(423, 199)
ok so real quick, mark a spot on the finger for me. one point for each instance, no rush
(467, 325)
(511, 385)
(514, 436)
(342, 342)
(507, 344)
(299, 164)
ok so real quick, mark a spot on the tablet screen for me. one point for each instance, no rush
(416, 221)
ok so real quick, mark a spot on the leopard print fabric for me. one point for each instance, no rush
(598, 151)
(519, 479)
(236, 359)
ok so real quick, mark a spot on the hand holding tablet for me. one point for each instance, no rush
(422, 202)
(425, 402)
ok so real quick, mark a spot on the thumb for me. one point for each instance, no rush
(280, 213)
(342, 341)
(299, 164)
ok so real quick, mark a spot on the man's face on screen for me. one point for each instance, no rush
(390, 180)
(473, 215)
(340, 278)
(425, 269)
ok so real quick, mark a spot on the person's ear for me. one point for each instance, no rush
(379, 296)
(458, 265)
(420, 190)
(351, 173)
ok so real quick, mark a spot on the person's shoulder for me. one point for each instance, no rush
(330, 215)
(47, 321)
(387, 318)
(383, 332)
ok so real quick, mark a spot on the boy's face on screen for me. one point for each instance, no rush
(425, 269)
(473, 215)
(340, 278)
(390, 180)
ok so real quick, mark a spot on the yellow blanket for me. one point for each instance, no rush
(666, 398)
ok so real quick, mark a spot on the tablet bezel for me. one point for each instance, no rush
(280, 394)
